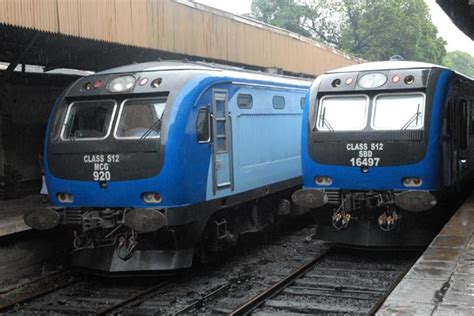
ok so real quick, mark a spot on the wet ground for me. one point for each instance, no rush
(443, 277)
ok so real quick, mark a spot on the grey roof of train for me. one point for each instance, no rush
(158, 65)
(201, 66)
(386, 65)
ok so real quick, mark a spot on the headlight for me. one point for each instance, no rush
(121, 84)
(373, 80)
(412, 182)
(156, 83)
(151, 197)
(409, 80)
(336, 83)
(321, 180)
(65, 197)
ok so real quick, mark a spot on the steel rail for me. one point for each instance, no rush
(275, 289)
(200, 302)
(382, 299)
(133, 298)
(11, 305)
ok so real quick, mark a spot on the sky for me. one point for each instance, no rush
(456, 39)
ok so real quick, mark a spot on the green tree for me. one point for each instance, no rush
(286, 14)
(370, 29)
(460, 61)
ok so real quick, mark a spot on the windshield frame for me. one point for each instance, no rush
(119, 116)
(374, 105)
(342, 96)
(65, 122)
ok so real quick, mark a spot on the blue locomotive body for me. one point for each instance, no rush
(142, 161)
(382, 144)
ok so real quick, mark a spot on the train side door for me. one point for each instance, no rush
(222, 141)
(464, 115)
(449, 142)
(456, 139)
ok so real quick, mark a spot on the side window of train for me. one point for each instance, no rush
(278, 102)
(203, 126)
(245, 101)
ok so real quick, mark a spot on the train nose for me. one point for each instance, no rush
(43, 218)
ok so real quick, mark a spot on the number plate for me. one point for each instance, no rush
(365, 154)
(101, 165)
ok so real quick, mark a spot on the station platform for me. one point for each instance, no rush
(442, 280)
(12, 212)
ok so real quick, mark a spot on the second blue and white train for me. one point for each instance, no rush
(384, 147)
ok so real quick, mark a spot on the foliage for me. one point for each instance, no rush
(371, 29)
(460, 61)
(286, 14)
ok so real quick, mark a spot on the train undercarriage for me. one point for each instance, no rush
(124, 240)
(376, 218)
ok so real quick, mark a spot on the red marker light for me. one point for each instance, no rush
(143, 81)
(396, 79)
(157, 196)
(98, 84)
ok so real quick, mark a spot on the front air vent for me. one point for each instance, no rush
(72, 217)
(334, 197)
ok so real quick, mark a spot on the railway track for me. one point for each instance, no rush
(81, 296)
(336, 281)
(293, 274)
(191, 291)
(332, 282)
(59, 282)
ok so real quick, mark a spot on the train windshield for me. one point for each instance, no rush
(88, 120)
(343, 113)
(139, 119)
(398, 112)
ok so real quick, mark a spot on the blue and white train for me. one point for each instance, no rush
(382, 146)
(150, 163)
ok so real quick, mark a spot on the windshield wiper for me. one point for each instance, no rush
(414, 118)
(68, 131)
(156, 125)
(324, 121)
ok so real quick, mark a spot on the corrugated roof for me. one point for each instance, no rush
(97, 34)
